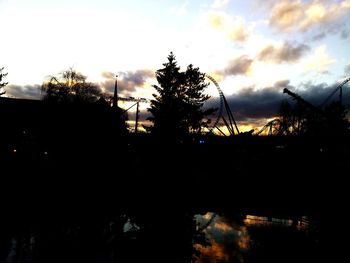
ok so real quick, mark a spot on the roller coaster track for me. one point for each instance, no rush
(230, 123)
(224, 108)
(340, 88)
(270, 127)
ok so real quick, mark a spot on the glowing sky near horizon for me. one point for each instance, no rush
(241, 43)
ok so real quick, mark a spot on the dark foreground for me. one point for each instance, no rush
(146, 201)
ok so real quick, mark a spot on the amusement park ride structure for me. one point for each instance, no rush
(137, 101)
(223, 109)
(273, 126)
(224, 117)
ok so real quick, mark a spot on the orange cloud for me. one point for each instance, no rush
(237, 66)
(297, 15)
(233, 27)
(285, 52)
(286, 14)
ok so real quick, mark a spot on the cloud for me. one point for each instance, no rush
(108, 75)
(238, 66)
(345, 33)
(220, 3)
(347, 70)
(319, 61)
(127, 81)
(319, 36)
(250, 104)
(253, 106)
(286, 14)
(281, 84)
(233, 27)
(285, 52)
(23, 92)
(318, 93)
(331, 29)
(301, 16)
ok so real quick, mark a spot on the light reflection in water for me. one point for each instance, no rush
(228, 240)
(263, 220)
(234, 240)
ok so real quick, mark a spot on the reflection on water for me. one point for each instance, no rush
(252, 238)
(265, 221)
(227, 240)
(166, 237)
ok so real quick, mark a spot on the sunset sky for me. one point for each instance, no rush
(252, 48)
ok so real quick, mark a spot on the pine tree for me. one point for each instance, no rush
(2, 84)
(177, 108)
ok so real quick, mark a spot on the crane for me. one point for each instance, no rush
(137, 101)
(137, 104)
(300, 99)
(315, 114)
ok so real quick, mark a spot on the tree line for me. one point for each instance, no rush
(176, 107)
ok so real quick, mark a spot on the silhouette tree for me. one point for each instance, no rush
(2, 83)
(70, 86)
(79, 126)
(177, 108)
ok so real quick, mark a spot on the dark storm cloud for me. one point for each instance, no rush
(288, 52)
(127, 81)
(254, 104)
(24, 92)
(237, 66)
(317, 94)
(251, 105)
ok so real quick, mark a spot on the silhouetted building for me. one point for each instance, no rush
(34, 128)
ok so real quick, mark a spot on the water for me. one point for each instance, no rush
(251, 238)
(170, 236)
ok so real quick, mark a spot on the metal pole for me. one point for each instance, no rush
(137, 115)
(115, 96)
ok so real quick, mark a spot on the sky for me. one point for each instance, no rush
(253, 48)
